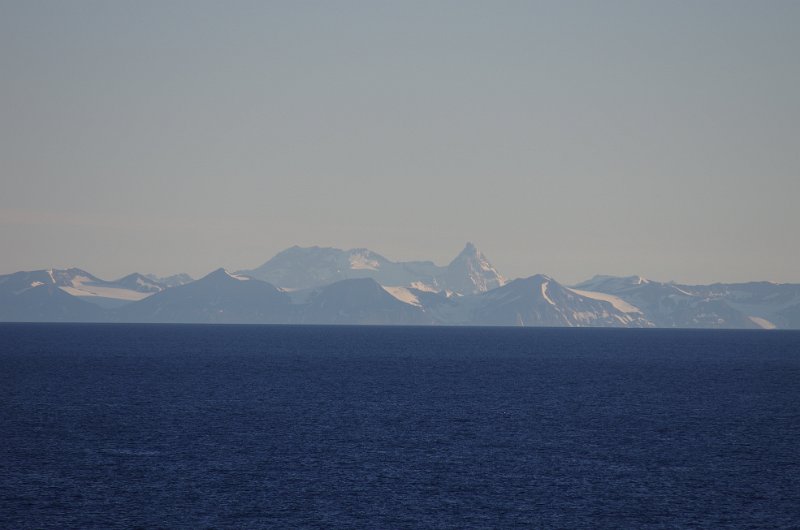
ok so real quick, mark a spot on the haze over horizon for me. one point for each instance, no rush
(565, 138)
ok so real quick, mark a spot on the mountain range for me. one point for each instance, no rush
(316, 285)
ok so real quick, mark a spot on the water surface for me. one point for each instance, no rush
(112, 426)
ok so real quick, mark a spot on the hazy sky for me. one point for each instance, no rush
(568, 138)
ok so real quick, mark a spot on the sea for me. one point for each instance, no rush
(201, 426)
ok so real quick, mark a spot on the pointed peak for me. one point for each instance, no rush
(223, 274)
(471, 272)
(217, 273)
(470, 248)
(469, 252)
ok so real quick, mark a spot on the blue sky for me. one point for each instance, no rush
(568, 138)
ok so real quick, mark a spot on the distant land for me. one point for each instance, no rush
(316, 285)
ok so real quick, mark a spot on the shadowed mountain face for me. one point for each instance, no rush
(47, 303)
(360, 301)
(303, 268)
(218, 297)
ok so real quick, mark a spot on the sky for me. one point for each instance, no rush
(566, 138)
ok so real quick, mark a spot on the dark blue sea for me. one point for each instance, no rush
(162, 426)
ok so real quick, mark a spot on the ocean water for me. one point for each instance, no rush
(159, 426)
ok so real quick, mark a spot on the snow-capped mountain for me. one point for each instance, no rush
(471, 272)
(84, 285)
(670, 305)
(304, 268)
(542, 301)
(767, 304)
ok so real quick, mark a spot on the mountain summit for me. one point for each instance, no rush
(471, 272)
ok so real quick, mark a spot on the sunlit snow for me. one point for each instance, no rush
(544, 293)
(359, 261)
(80, 288)
(762, 323)
(618, 303)
(403, 294)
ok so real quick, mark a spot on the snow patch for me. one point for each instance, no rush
(105, 292)
(403, 294)
(682, 291)
(618, 303)
(763, 323)
(422, 286)
(362, 262)
(585, 317)
(544, 293)
(82, 287)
